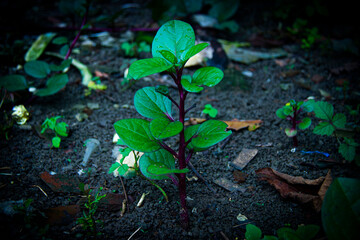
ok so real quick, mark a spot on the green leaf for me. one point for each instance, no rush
(174, 36)
(188, 53)
(339, 120)
(210, 110)
(287, 233)
(13, 83)
(162, 89)
(161, 158)
(324, 128)
(209, 76)
(191, 131)
(305, 123)
(340, 211)
(189, 86)
(37, 69)
(209, 133)
(324, 110)
(60, 128)
(230, 25)
(307, 232)
(161, 169)
(252, 232)
(146, 67)
(56, 142)
(223, 10)
(114, 166)
(136, 134)
(308, 106)
(60, 40)
(288, 110)
(53, 85)
(152, 104)
(162, 128)
(348, 149)
(280, 113)
(290, 132)
(64, 64)
(123, 171)
(268, 237)
(167, 55)
(38, 47)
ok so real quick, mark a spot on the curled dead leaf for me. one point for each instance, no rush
(299, 189)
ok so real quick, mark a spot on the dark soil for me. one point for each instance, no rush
(212, 215)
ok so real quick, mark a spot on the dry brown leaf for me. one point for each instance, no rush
(101, 74)
(290, 73)
(297, 188)
(234, 124)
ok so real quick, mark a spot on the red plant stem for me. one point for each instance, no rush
(184, 216)
(79, 33)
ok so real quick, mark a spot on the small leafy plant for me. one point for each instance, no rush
(291, 112)
(210, 110)
(58, 128)
(334, 124)
(304, 232)
(132, 49)
(87, 220)
(173, 46)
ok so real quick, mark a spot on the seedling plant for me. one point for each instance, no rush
(173, 46)
(210, 110)
(291, 112)
(58, 128)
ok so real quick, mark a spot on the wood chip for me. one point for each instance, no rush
(244, 157)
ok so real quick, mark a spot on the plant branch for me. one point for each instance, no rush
(192, 107)
(200, 176)
(169, 149)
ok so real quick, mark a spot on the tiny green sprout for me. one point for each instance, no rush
(291, 113)
(58, 128)
(210, 110)
(172, 47)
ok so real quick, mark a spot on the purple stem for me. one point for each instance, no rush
(79, 33)
(169, 149)
(295, 140)
(174, 180)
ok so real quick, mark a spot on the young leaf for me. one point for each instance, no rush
(210, 133)
(189, 86)
(252, 232)
(209, 76)
(136, 134)
(290, 132)
(13, 83)
(38, 46)
(280, 113)
(56, 142)
(162, 128)
(152, 104)
(210, 110)
(174, 36)
(146, 67)
(340, 209)
(162, 157)
(37, 69)
(188, 53)
(324, 128)
(53, 85)
(60, 128)
(324, 110)
(114, 167)
(305, 123)
(167, 55)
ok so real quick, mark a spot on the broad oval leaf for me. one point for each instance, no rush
(53, 85)
(190, 132)
(64, 64)
(280, 113)
(61, 129)
(37, 69)
(252, 232)
(174, 36)
(305, 123)
(340, 211)
(38, 47)
(324, 110)
(161, 169)
(135, 133)
(209, 76)
(163, 128)
(56, 142)
(146, 67)
(162, 157)
(209, 133)
(13, 83)
(152, 104)
(187, 54)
